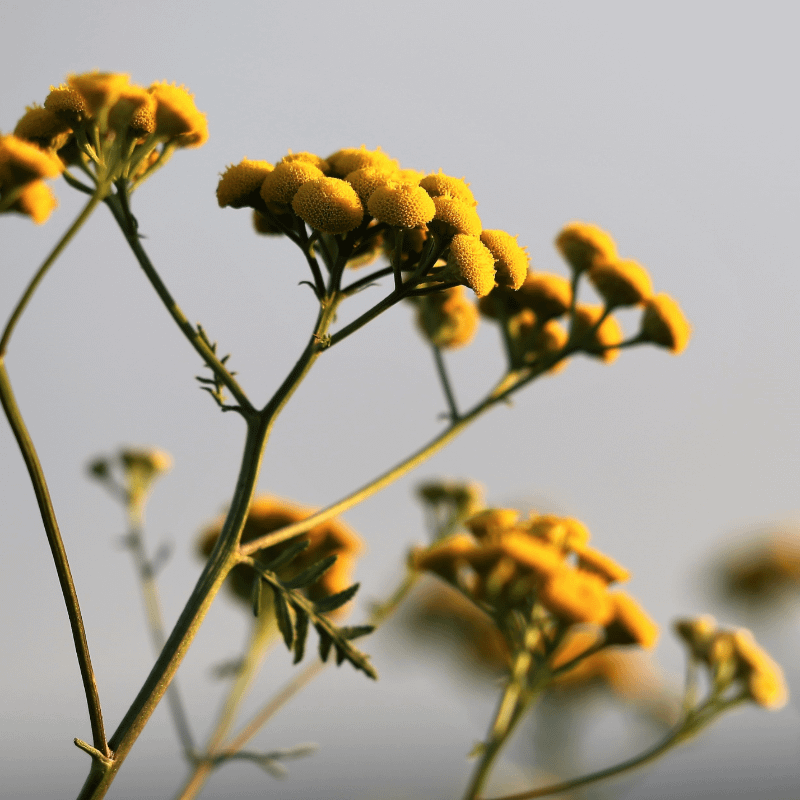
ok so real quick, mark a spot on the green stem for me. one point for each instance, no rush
(59, 554)
(367, 280)
(127, 226)
(441, 369)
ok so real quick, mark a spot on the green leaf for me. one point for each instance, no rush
(337, 600)
(354, 631)
(284, 618)
(256, 595)
(295, 546)
(313, 573)
(300, 635)
(325, 643)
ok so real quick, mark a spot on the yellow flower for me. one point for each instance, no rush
(698, 633)
(436, 185)
(329, 205)
(239, 185)
(511, 260)
(621, 283)
(177, 116)
(764, 677)
(134, 108)
(535, 341)
(577, 597)
(282, 183)
(631, 624)
(367, 179)
(444, 558)
(664, 324)
(401, 205)
(310, 158)
(609, 333)
(349, 159)
(22, 162)
(593, 560)
(99, 90)
(566, 533)
(447, 318)
(67, 103)
(36, 201)
(546, 294)
(531, 554)
(471, 263)
(456, 216)
(268, 514)
(264, 226)
(583, 245)
(492, 521)
(43, 127)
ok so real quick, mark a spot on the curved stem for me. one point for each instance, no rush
(128, 227)
(59, 558)
(447, 388)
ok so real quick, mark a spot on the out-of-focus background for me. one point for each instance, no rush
(674, 126)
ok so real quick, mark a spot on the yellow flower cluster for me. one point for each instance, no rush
(356, 189)
(268, 514)
(23, 166)
(734, 661)
(505, 563)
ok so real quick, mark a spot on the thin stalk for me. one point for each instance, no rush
(59, 554)
(128, 228)
(444, 378)
(367, 280)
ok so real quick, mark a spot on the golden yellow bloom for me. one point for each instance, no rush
(150, 460)
(565, 533)
(577, 642)
(409, 176)
(664, 324)
(764, 677)
(437, 184)
(310, 158)
(264, 226)
(177, 116)
(535, 341)
(135, 108)
(631, 624)
(456, 216)
(447, 318)
(621, 283)
(401, 205)
(367, 179)
(36, 201)
(547, 295)
(511, 260)
(268, 514)
(43, 127)
(583, 245)
(67, 103)
(349, 159)
(22, 162)
(531, 554)
(609, 333)
(492, 521)
(239, 185)
(99, 90)
(330, 205)
(577, 596)
(698, 633)
(471, 263)
(281, 184)
(606, 567)
(444, 558)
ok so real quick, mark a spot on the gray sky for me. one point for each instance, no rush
(672, 125)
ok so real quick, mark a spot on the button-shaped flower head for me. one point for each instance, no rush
(455, 216)
(511, 260)
(177, 116)
(329, 205)
(631, 624)
(546, 294)
(67, 103)
(664, 324)
(43, 127)
(448, 319)
(577, 597)
(600, 341)
(349, 159)
(437, 185)
(240, 184)
(583, 245)
(282, 183)
(401, 205)
(621, 282)
(470, 263)
(99, 90)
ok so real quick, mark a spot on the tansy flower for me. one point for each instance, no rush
(698, 634)
(664, 324)
(36, 201)
(621, 283)
(177, 116)
(593, 560)
(264, 226)
(349, 159)
(534, 341)
(531, 554)
(576, 596)
(565, 533)
(583, 245)
(43, 127)
(99, 90)
(455, 216)
(763, 676)
(329, 205)
(547, 295)
(67, 103)
(268, 514)
(401, 205)
(471, 263)
(409, 176)
(448, 318)
(310, 158)
(511, 260)
(22, 162)
(281, 184)
(133, 109)
(609, 333)
(630, 624)
(367, 179)
(239, 185)
(436, 185)
(492, 521)
(444, 558)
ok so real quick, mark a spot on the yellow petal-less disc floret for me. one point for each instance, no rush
(547, 295)
(329, 205)
(456, 216)
(22, 161)
(447, 319)
(563, 532)
(577, 596)
(608, 334)
(67, 103)
(281, 185)
(367, 179)
(583, 245)
(43, 127)
(437, 184)
(664, 324)
(471, 263)
(631, 624)
(310, 158)
(177, 116)
(36, 201)
(492, 522)
(134, 108)
(764, 677)
(511, 259)
(349, 159)
(401, 205)
(621, 282)
(98, 89)
(607, 568)
(240, 184)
